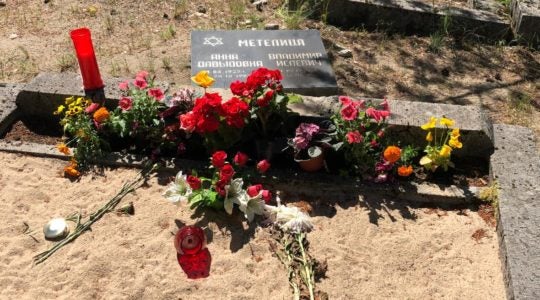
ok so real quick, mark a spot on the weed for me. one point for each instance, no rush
(115, 69)
(180, 9)
(108, 24)
(66, 62)
(168, 33)
(436, 41)
(292, 18)
(166, 62)
(490, 195)
(237, 8)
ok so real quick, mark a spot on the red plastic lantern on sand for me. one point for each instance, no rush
(192, 254)
(82, 41)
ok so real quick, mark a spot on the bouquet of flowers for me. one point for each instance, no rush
(360, 126)
(441, 142)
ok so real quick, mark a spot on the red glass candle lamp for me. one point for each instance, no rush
(93, 85)
(192, 254)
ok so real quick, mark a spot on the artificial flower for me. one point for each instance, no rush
(392, 154)
(226, 173)
(178, 190)
(194, 182)
(405, 171)
(447, 122)
(203, 79)
(430, 124)
(101, 115)
(263, 166)
(234, 194)
(252, 206)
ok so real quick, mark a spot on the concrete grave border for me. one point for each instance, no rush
(514, 164)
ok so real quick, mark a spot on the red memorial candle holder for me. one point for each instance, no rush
(82, 40)
(192, 254)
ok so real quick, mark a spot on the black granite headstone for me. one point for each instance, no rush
(232, 55)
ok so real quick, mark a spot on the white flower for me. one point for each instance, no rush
(251, 206)
(290, 219)
(234, 194)
(178, 190)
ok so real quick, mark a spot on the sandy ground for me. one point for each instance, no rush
(375, 248)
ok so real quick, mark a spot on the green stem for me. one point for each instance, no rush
(306, 265)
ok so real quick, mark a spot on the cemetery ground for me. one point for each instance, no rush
(374, 248)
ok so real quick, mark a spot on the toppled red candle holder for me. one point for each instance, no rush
(82, 40)
(192, 254)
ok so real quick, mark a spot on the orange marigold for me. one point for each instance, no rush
(71, 170)
(101, 115)
(405, 171)
(392, 154)
(63, 148)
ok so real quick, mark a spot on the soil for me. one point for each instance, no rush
(21, 132)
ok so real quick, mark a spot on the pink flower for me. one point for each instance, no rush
(385, 105)
(240, 159)
(345, 100)
(91, 108)
(125, 103)
(377, 115)
(140, 82)
(354, 137)
(124, 85)
(142, 74)
(374, 144)
(156, 93)
(349, 112)
(263, 166)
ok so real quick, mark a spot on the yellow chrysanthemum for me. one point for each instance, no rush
(203, 79)
(445, 151)
(447, 122)
(429, 125)
(429, 137)
(455, 143)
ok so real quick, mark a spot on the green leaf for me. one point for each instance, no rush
(294, 98)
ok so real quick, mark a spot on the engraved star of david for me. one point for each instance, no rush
(213, 41)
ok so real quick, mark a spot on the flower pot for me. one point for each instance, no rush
(313, 164)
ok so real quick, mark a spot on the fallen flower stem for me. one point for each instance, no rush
(307, 265)
(94, 217)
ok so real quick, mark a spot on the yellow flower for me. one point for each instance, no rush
(70, 100)
(455, 143)
(72, 171)
(429, 137)
(79, 101)
(447, 122)
(63, 148)
(59, 110)
(455, 133)
(445, 151)
(203, 79)
(430, 124)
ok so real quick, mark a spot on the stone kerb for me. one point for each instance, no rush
(515, 165)
(412, 16)
(8, 109)
(526, 20)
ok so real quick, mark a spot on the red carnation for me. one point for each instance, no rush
(156, 93)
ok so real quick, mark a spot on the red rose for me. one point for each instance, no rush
(263, 166)
(267, 196)
(156, 93)
(207, 124)
(253, 190)
(239, 88)
(226, 173)
(240, 159)
(218, 159)
(194, 182)
(235, 111)
(220, 187)
(349, 112)
(125, 103)
(354, 137)
(188, 121)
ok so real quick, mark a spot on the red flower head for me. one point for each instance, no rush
(188, 121)
(218, 159)
(263, 166)
(220, 187)
(194, 182)
(235, 111)
(377, 115)
(125, 103)
(240, 88)
(142, 74)
(226, 173)
(266, 99)
(140, 82)
(354, 137)
(253, 190)
(267, 196)
(123, 86)
(208, 124)
(349, 112)
(240, 159)
(156, 93)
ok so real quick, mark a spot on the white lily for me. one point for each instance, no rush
(178, 190)
(290, 219)
(234, 194)
(251, 206)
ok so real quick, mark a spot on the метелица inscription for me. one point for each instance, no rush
(232, 55)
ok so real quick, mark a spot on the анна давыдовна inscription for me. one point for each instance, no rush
(232, 55)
